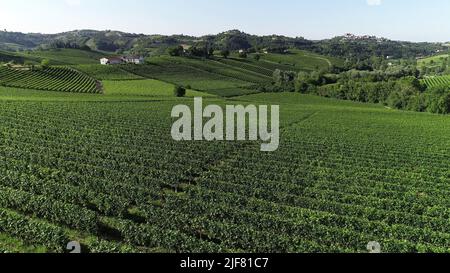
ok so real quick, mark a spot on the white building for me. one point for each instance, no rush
(121, 60)
(111, 60)
(133, 59)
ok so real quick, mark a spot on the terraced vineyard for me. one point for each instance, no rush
(258, 68)
(218, 76)
(109, 175)
(180, 74)
(49, 79)
(437, 81)
(232, 70)
(299, 60)
(107, 72)
(64, 56)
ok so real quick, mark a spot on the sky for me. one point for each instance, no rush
(409, 20)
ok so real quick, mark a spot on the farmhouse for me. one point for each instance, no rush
(133, 59)
(121, 60)
(111, 60)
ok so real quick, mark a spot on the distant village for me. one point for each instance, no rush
(122, 60)
(353, 37)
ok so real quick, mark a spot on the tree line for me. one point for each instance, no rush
(396, 87)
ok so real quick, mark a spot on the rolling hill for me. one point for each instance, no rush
(50, 79)
(349, 46)
(83, 167)
(438, 64)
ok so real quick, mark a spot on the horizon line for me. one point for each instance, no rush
(203, 35)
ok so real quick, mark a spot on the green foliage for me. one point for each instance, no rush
(284, 80)
(200, 50)
(46, 208)
(438, 100)
(179, 91)
(33, 231)
(225, 53)
(175, 51)
(45, 63)
(364, 48)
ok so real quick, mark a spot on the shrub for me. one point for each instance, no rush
(45, 63)
(179, 91)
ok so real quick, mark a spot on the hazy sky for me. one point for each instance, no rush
(414, 20)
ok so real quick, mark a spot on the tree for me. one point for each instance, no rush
(444, 104)
(257, 57)
(284, 80)
(203, 51)
(45, 63)
(438, 100)
(179, 91)
(210, 52)
(175, 51)
(302, 82)
(225, 53)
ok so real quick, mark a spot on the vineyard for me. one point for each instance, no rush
(49, 79)
(235, 70)
(64, 56)
(106, 72)
(437, 81)
(144, 88)
(110, 176)
(299, 60)
(188, 76)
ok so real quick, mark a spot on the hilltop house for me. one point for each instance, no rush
(133, 59)
(111, 60)
(122, 60)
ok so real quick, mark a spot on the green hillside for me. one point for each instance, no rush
(7, 56)
(434, 61)
(435, 81)
(82, 167)
(50, 79)
(191, 77)
(299, 60)
(106, 72)
(65, 56)
(145, 88)
(439, 64)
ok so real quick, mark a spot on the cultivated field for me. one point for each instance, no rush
(50, 79)
(97, 163)
(299, 60)
(434, 61)
(435, 81)
(64, 56)
(103, 170)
